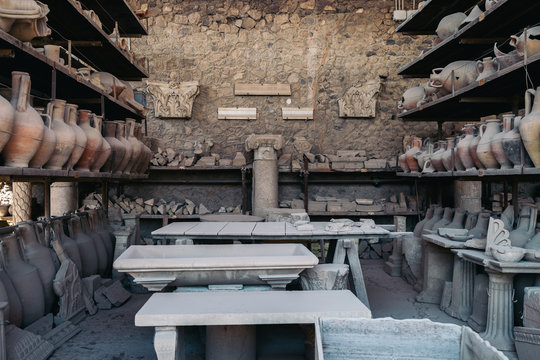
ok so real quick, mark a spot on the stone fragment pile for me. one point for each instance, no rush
(200, 155)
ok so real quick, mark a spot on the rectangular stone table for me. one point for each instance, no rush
(230, 317)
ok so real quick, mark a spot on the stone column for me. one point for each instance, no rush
(468, 195)
(462, 289)
(64, 198)
(500, 317)
(265, 171)
(22, 201)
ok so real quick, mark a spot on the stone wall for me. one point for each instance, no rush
(321, 48)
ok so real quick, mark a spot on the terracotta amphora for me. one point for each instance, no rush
(27, 28)
(420, 225)
(449, 25)
(146, 154)
(410, 98)
(458, 165)
(506, 60)
(526, 226)
(25, 279)
(490, 4)
(118, 148)
(13, 312)
(497, 143)
(80, 136)
(446, 219)
(479, 231)
(87, 249)
(487, 67)
(411, 154)
(38, 255)
(101, 250)
(458, 220)
(437, 215)
(436, 159)
(106, 149)
(120, 135)
(531, 44)
(463, 148)
(95, 226)
(402, 161)
(487, 130)
(529, 127)
(105, 224)
(136, 147)
(69, 245)
(65, 137)
(48, 144)
(446, 156)
(28, 127)
(11, 10)
(473, 147)
(512, 145)
(457, 74)
(7, 117)
(93, 145)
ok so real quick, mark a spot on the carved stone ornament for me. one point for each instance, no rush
(360, 101)
(497, 235)
(173, 99)
(255, 141)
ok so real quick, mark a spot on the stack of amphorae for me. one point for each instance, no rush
(63, 137)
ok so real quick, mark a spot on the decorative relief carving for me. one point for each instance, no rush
(360, 101)
(172, 99)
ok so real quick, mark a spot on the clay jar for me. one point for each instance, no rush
(487, 67)
(487, 131)
(13, 312)
(120, 135)
(497, 143)
(458, 220)
(472, 150)
(412, 163)
(93, 145)
(531, 44)
(105, 225)
(420, 225)
(445, 220)
(95, 225)
(106, 149)
(145, 159)
(402, 161)
(135, 146)
(526, 226)
(512, 144)
(65, 137)
(446, 157)
(80, 135)
(101, 251)
(437, 215)
(28, 128)
(25, 279)
(38, 255)
(117, 147)
(70, 246)
(464, 73)
(411, 98)
(529, 127)
(48, 144)
(7, 117)
(436, 159)
(449, 25)
(479, 231)
(463, 148)
(87, 249)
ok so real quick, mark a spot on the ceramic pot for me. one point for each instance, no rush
(96, 227)
(120, 135)
(473, 147)
(412, 163)
(473, 15)
(449, 25)
(101, 251)
(497, 143)
(27, 29)
(144, 159)
(87, 249)
(525, 228)
(109, 83)
(48, 144)
(93, 145)
(487, 67)
(65, 137)
(463, 148)
(13, 312)
(490, 4)
(105, 224)
(106, 149)
(506, 60)
(80, 135)
(7, 117)
(11, 10)
(529, 127)
(420, 225)
(436, 159)
(437, 215)
(422, 156)
(447, 155)
(118, 148)
(512, 145)
(458, 165)
(458, 220)
(128, 97)
(483, 151)
(25, 279)
(38, 255)
(28, 128)
(532, 45)
(479, 231)
(445, 220)
(465, 73)
(402, 161)
(68, 244)
(411, 98)
(427, 166)
(136, 146)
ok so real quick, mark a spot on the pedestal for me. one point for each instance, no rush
(236, 342)
(265, 171)
(500, 317)
(437, 270)
(22, 201)
(63, 198)
(462, 289)
(169, 343)
(477, 320)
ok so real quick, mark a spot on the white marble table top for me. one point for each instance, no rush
(444, 242)
(248, 308)
(479, 257)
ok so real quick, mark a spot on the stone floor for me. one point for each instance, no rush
(111, 335)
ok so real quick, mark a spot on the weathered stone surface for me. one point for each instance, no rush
(116, 294)
(531, 307)
(172, 99)
(360, 100)
(239, 159)
(325, 277)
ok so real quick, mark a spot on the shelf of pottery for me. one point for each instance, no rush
(473, 90)
(46, 136)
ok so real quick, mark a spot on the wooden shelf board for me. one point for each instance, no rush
(198, 168)
(110, 11)
(43, 174)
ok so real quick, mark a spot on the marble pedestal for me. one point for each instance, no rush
(462, 289)
(438, 269)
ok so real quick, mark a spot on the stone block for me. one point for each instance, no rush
(239, 159)
(116, 294)
(531, 307)
(369, 208)
(375, 164)
(225, 162)
(206, 161)
(317, 205)
(101, 300)
(297, 204)
(91, 283)
(347, 165)
(364, 201)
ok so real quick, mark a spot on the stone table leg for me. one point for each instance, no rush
(462, 289)
(236, 342)
(393, 266)
(347, 248)
(169, 343)
(500, 317)
(437, 270)
(22, 201)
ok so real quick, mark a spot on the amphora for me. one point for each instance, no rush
(487, 130)
(93, 145)
(65, 137)
(48, 143)
(529, 127)
(463, 148)
(512, 145)
(497, 143)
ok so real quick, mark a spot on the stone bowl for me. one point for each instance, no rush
(508, 253)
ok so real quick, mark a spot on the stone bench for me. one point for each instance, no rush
(230, 317)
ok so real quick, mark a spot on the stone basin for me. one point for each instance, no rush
(158, 266)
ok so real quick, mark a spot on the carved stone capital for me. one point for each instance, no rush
(254, 141)
(172, 99)
(360, 101)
